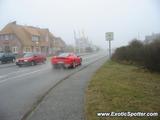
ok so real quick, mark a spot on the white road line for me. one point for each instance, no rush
(19, 71)
(25, 74)
(13, 73)
(1, 76)
(5, 80)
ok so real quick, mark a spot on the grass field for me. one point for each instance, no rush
(122, 88)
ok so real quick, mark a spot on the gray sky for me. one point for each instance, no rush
(126, 18)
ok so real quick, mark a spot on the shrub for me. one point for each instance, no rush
(147, 55)
(152, 55)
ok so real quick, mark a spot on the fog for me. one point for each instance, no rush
(128, 19)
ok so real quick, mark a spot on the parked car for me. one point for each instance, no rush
(30, 59)
(7, 57)
(66, 60)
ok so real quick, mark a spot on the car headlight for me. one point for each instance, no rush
(16, 60)
(25, 60)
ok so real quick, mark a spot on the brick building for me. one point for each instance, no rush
(20, 38)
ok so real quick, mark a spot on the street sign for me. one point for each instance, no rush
(109, 36)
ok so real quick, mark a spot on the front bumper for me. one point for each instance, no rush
(64, 65)
(23, 63)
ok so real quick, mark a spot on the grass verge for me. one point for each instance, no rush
(122, 88)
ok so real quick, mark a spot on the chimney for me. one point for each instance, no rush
(14, 22)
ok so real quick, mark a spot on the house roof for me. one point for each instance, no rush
(24, 33)
(32, 30)
(18, 30)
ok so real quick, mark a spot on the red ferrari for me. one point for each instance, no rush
(66, 60)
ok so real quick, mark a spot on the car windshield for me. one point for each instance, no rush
(28, 55)
(1, 54)
(63, 54)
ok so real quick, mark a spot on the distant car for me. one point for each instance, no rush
(66, 60)
(30, 59)
(7, 57)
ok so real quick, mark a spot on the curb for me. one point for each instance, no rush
(35, 105)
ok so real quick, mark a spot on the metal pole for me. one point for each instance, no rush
(79, 49)
(109, 48)
(76, 42)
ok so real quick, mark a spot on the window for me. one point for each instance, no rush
(7, 49)
(27, 49)
(6, 37)
(11, 36)
(28, 54)
(14, 49)
(35, 38)
(1, 37)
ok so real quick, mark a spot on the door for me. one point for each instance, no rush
(36, 58)
(10, 56)
(5, 57)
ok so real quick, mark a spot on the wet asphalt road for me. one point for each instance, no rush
(20, 88)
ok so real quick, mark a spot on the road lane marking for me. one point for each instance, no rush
(43, 96)
(1, 76)
(25, 74)
(19, 71)
(5, 80)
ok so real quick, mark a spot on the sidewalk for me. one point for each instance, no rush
(66, 101)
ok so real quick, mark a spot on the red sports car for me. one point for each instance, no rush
(31, 59)
(66, 60)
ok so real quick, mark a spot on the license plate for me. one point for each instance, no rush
(60, 62)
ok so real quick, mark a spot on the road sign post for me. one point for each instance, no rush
(109, 38)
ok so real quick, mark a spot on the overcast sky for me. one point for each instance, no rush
(128, 19)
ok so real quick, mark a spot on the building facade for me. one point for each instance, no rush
(150, 38)
(20, 39)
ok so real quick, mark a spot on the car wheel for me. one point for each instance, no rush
(44, 61)
(64, 67)
(73, 65)
(13, 60)
(80, 62)
(54, 66)
(19, 65)
(32, 63)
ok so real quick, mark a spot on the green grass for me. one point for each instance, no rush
(119, 88)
